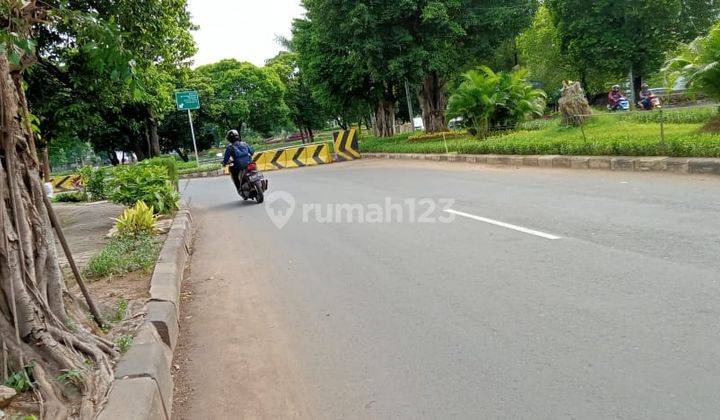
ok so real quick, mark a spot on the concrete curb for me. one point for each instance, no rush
(704, 166)
(143, 385)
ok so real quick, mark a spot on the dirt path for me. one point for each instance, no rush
(232, 355)
(85, 226)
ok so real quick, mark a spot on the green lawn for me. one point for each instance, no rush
(636, 134)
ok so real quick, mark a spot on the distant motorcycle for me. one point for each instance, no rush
(253, 184)
(653, 102)
(622, 105)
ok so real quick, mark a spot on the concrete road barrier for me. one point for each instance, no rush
(65, 183)
(346, 145)
(293, 157)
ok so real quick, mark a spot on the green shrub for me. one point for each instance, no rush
(21, 380)
(439, 136)
(202, 168)
(150, 184)
(673, 116)
(123, 343)
(120, 310)
(486, 99)
(94, 182)
(70, 377)
(123, 254)
(169, 163)
(70, 197)
(137, 220)
(606, 135)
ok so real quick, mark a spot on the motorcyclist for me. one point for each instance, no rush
(240, 154)
(647, 99)
(614, 98)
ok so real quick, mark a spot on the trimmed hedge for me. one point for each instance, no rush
(439, 136)
(605, 135)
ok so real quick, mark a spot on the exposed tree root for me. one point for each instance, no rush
(35, 324)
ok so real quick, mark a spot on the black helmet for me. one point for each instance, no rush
(232, 136)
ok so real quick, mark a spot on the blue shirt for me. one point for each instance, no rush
(241, 154)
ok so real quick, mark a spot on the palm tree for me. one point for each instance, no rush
(698, 62)
(486, 98)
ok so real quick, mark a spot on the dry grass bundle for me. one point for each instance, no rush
(573, 104)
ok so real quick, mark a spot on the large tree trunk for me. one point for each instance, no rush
(154, 138)
(112, 156)
(433, 103)
(385, 118)
(584, 84)
(183, 154)
(636, 86)
(33, 317)
(341, 123)
(138, 149)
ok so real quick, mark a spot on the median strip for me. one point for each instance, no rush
(503, 224)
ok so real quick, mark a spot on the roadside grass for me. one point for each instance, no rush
(627, 135)
(124, 254)
(123, 343)
(192, 169)
(261, 147)
(69, 197)
(694, 115)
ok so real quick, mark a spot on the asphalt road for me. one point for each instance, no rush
(618, 317)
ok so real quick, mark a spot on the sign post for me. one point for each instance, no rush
(189, 100)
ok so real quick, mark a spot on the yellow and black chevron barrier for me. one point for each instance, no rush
(293, 157)
(65, 183)
(346, 145)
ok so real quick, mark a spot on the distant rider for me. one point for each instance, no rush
(647, 99)
(614, 98)
(240, 154)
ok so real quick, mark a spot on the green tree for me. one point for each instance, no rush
(346, 52)
(697, 17)
(699, 63)
(73, 94)
(40, 324)
(363, 51)
(305, 111)
(539, 47)
(617, 36)
(448, 35)
(242, 95)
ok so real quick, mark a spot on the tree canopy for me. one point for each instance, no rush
(631, 35)
(363, 52)
(243, 96)
(304, 110)
(116, 79)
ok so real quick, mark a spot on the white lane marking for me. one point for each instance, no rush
(503, 224)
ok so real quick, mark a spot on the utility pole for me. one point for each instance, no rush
(192, 132)
(409, 105)
(187, 101)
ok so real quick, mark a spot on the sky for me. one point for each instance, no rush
(242, 29)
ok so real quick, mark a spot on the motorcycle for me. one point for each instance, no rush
(622, 105)
(253, 184)
(653, 103)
